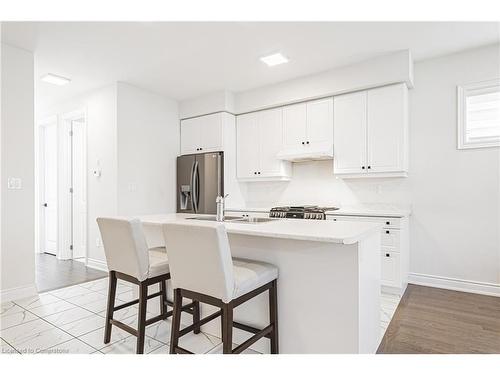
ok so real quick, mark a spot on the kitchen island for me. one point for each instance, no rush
(328, 286)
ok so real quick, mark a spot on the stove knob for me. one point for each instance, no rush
(312, 216)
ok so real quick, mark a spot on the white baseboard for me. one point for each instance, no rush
(460, 285)
(20, 292)
(97, 264)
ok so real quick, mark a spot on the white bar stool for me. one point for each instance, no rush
(128, 258)
(202, 269)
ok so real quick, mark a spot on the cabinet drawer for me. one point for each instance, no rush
(387, 222)
(246, 214)
(390, 238)
(390, 269)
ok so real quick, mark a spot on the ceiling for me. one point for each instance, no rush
(184, 60)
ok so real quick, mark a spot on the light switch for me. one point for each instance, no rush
(14, 183)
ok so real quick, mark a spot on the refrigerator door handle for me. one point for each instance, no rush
(219, 175)
(195, 187)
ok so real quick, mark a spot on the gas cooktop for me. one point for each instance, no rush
(301, 212)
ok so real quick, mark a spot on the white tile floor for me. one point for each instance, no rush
(71, 320)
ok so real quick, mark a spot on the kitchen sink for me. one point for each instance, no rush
(213, 218)
(253, 220)
(235, 219)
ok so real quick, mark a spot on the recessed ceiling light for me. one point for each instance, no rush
(274, 59)
(55, 80)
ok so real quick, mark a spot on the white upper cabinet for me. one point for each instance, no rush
(371, 132)
(320, 127)
(202, 134)
(387, 129)
(349, 133)
(294, 129)
(247, 146)
(259, 138)
(308, 130)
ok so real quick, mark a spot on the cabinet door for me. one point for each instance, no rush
(190, 136)
(320, 125)
(247, 145)
(294, 128)
(210, 127)
(386, 128)
(271, 141)
(349, 133)
(390, 269)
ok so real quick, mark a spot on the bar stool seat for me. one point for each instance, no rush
(202, 269)
(129, 258)
(250, 275)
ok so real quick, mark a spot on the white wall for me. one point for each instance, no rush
(454, 193)
(17, 157)
(148, 145)
(100, 106)
(133, 137)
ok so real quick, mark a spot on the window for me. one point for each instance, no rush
(479, 114)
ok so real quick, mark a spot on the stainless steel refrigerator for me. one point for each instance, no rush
(200, 178)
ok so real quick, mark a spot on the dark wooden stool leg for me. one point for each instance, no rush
(111, 306)
(163, 298)
(196, 315)
(227, 328)
(141, 329)
(273, 316)
(176, 321)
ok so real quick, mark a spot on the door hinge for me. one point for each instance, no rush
(71, 133)
(71, 190)
(71, 247)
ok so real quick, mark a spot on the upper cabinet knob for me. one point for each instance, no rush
(307, 142)
(303, 142)
(363, 167)
(369, 167)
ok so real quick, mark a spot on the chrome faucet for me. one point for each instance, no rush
(220, 201)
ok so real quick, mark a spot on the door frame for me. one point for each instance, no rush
(40, 197)
(66, 181)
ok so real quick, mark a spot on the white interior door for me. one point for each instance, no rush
(79, 183)
(49, 188)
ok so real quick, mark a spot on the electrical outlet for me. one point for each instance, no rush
(97, 242)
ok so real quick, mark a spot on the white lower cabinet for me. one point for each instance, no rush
(246, 214)
(390, 268)
(394, 249)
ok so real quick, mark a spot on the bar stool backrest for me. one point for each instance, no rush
(125, 246)
(199, 257)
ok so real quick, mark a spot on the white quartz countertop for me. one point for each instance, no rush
(383, 210)
(343, 232)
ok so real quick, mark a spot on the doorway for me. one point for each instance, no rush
(74, 217)
(63, 186)
(48, 187)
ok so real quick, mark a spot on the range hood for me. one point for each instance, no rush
(309, 155)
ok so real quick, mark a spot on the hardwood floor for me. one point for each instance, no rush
(432, 320)
(52, 273)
